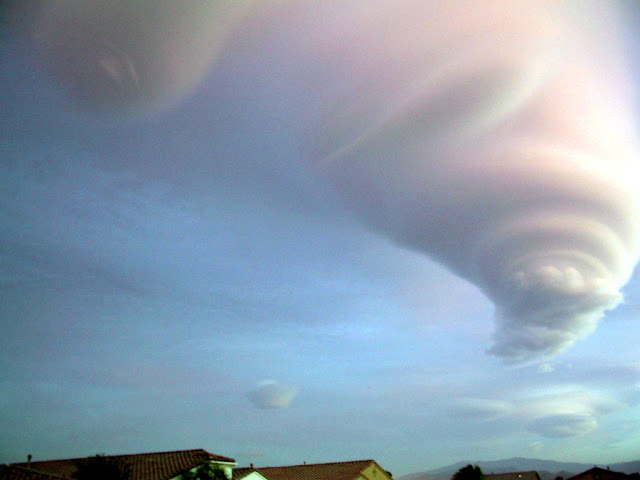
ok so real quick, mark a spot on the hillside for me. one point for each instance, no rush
(547, 469)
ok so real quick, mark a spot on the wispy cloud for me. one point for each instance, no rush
(481, 409)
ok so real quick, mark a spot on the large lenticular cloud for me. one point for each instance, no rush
(494, 136)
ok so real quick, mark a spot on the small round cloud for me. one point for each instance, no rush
(269, 394)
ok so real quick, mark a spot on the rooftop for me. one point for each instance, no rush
(143, 466)
(313, 471)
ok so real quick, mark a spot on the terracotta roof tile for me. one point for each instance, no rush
(144, 466)
(317, 471)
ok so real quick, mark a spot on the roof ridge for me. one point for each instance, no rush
(112, 456)
(315, 464)
(202, 450)
(515, 471)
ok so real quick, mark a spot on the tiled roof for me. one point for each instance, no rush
(15, 472)
(601, 473)
(530, 475)
(143, 466)
(317, 471)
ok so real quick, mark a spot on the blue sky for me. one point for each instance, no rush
(207, 265)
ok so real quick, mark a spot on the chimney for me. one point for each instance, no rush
(251, 465)
(29, 460)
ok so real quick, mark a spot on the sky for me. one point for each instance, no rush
(305, 231)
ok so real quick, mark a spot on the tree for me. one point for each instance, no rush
(101, 468)
(470, 472)
(206, 471)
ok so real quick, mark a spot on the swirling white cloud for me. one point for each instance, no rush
(500, 143)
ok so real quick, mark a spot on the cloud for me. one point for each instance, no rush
(499, 142)
(546, 368)
(131, 57)
(565, 425)
(567, 412)
(535, 446)
(269, 394)
(482, 409)
(550, 410)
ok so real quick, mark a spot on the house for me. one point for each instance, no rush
(353, 470)
(141, 466)
(597, 473)
(529, 475)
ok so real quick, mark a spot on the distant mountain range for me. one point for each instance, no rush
(547, 469)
